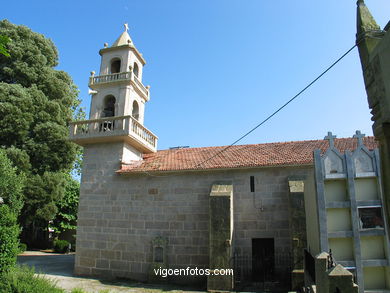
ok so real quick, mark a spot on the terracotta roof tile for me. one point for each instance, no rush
(240, 156)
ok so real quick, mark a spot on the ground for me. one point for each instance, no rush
(59, 267)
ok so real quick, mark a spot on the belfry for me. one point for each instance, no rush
(117, 103)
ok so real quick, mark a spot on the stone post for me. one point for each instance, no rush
(341, 280)
(298, 229)
(221, 232)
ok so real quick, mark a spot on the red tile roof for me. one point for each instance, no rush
(240, 156)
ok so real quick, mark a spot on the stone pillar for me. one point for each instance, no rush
(332, 279)
(341, 280)
(321, 267)
(298, 229)
(221, 232)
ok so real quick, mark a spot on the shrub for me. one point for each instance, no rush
(22, 279)
(11, 185)
(22, 247)
(61, 246)
(9, 232)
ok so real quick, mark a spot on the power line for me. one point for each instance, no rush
(279, 109)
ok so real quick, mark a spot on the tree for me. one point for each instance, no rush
(37, 102)
(11, 186)
(3, 42)
(67, 207)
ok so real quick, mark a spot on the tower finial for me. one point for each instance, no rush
(124, 38)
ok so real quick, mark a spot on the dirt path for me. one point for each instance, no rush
(59, 267)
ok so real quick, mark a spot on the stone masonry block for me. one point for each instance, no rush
(176, 225)
(102, 273)
(82, 271)
(133, 256)
(157, 225)
(100, 245)
(110, 255)
(102, 264)
(91, 253)
(119, 265)
(87, 262)
(183, 259)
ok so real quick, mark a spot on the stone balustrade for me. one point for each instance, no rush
(120, 127)
(93, 80)
(140, 85)
(96, 81)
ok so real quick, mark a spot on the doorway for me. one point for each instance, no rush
(263, 259)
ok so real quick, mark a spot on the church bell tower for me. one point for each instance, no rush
(114, 135)
(118, 103)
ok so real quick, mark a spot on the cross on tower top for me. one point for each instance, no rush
(331, 138)
(126, 25)
(359, 137)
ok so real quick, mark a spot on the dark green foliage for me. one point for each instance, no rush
(67, 207)
(42, 192)
(61, 246)
(11, 185)
(22, 247)
(37, 102)
(9, 241)
(4, 40)
(23, 280)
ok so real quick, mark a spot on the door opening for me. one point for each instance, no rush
(263, 259)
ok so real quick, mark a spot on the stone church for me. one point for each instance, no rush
(141, 208)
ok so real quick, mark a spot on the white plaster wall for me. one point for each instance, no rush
(366, 189)
(335, 190)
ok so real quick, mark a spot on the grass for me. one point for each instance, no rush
(78, 290)
(22, 279)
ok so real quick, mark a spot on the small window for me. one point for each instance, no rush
(136, 69)
(252, 183)
(370, 217)
(108, 111)
(109, 106)
(135, 112)
(158, 254)
(115, 66)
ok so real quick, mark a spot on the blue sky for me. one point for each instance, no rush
(218, 67)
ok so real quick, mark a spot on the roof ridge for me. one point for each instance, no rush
(256, 144)
(272, 154)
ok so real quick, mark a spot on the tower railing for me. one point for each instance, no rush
(141, 86)
(109, 77)
(120, 126)
(117, 77)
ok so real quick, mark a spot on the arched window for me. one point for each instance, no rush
(135, 112)
(115, 65)
(136, 69)
(109, 106)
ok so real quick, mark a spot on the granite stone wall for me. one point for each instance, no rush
(120, 215)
